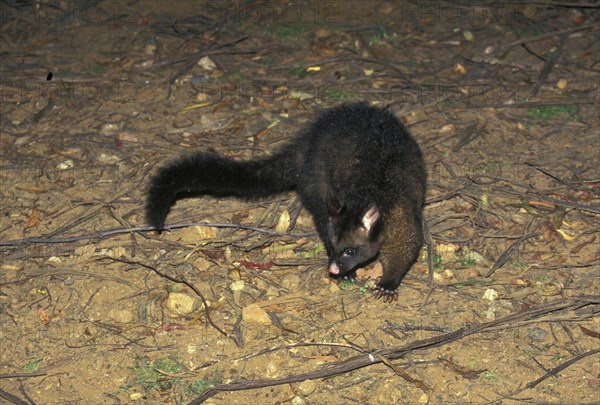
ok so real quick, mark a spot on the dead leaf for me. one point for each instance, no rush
(169, 327)
(301, 95)
(284, 222)
(325, 43)
(264, 104)
(577, 248)
(207, 63)
(43, 315)
(520, 282)
(548, 231)
(222, 104)
(590, 332)
(465, 372)
(32, 188)
(591, 258)
(460, 69)
(33, 219)
(261, 134)
(127, 137)
(254, 265)
(565, 235)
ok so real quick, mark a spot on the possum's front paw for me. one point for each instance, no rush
(387, 290)
(387, 295)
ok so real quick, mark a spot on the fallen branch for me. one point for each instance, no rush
(118, 231)
(13, 399)
(561, 367)
(548, 66)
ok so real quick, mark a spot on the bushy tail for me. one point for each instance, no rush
(211, 174)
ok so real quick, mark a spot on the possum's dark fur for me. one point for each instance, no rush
(357, 171)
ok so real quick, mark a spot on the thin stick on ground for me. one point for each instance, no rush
(118, 231)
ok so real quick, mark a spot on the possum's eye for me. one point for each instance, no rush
(349, 252)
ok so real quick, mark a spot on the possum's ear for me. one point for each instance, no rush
(370, 217)
(333, 205)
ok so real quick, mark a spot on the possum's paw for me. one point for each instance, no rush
(349, 276)
(387, 295)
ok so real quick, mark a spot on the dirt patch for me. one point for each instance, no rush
(96, 308)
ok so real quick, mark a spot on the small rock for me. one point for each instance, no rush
(448, 274)
(307, 387)
(109, 129)
(181, 303)
(447, 251)
(536, 333)
(207, 63)
(298, 400)
(272, 370)
(255, 314)
(120, 315)
(490, 313)
(237, 285)
(490, 294)
(66, 165)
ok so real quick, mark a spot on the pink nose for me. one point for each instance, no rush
(333, 268)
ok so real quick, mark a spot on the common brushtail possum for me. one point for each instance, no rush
(357, 171)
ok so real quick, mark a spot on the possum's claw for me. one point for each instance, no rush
(387, 295)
